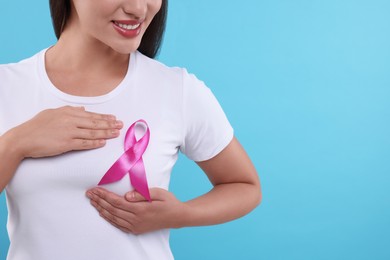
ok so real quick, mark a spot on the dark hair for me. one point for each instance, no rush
(151, 40)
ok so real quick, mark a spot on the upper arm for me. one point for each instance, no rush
(232, 165)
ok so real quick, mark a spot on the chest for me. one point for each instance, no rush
(81, 170)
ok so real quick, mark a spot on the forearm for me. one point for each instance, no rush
(225, 202)
(10, 159)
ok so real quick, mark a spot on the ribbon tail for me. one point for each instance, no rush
(138, 179)
(114, 174)
(119, 169)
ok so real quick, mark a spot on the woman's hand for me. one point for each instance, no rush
(134, 214)
(235, 193)
(56, 131)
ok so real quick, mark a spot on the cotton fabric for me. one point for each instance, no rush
(49, 215)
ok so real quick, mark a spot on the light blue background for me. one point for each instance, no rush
(306, 85)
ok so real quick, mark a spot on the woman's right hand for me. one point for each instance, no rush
(57, 131)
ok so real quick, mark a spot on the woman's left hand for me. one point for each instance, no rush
(132, 213)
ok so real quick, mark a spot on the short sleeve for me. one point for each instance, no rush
(206, 129)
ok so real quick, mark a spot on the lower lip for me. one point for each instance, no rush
(127, 33)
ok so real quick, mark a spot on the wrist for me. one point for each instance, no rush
(191, 215)
(11, 145)
(183, 216)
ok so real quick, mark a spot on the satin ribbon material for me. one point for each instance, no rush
(131, 162)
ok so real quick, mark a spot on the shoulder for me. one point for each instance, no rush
(20, 66)
(19, 70)
(154, 66)
(159, 70)
(21, 78)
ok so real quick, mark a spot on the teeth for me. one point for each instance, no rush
(127, 26)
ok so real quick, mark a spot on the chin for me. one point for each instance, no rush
(125, 49)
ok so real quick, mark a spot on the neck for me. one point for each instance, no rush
(83, 66)
(80, 53)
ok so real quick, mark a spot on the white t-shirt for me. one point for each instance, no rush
(49, 215)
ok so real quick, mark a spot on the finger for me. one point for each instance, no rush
(134, 196)
(84, 144)
(156, 194)
(81, 112)
(116, 216)
(124, 229)
(159, 194)
(90, 120)
(114, 210)
(116, 221)
(110, 200)
(93, 115)
(92, 134)
(92, 123)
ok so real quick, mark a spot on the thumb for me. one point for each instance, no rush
(134, 196)
(159, 194)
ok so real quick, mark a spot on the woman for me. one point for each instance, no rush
(64, 114)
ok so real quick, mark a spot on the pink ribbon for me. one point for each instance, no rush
(131, 162)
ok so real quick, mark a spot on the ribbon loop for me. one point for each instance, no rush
(131, 162)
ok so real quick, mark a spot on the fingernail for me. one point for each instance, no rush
(119, 123)
(103, 141)
(89, 194)
(130, 196)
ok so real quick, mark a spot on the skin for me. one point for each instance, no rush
(66, 129)
(94, 57)
(235, 193)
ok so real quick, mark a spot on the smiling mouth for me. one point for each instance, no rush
(127, 26)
